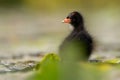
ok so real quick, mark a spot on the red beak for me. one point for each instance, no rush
(66, 20)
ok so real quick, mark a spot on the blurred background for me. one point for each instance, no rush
(28, 26)
(34, 26)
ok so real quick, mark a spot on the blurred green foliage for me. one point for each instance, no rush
(10, 3)
(57, 5)
(47, 69)
(51, 68)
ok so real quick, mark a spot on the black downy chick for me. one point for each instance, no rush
(79, 44)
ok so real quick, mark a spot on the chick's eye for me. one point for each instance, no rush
(67, 17)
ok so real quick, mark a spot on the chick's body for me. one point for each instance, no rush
(79, 44)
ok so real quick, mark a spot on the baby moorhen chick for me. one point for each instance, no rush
(79, 44)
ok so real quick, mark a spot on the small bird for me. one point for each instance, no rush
(78, 45)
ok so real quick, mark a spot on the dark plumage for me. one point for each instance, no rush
(79, 44)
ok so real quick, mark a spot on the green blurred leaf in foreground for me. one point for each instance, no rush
(51, 68)
(47, 69)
